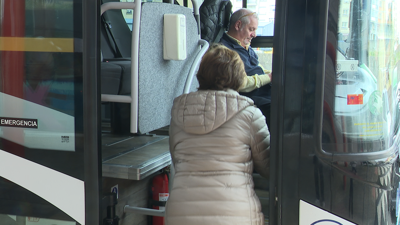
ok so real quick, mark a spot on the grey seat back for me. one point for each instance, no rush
(154, 82)
(160, 81)
(114, 29)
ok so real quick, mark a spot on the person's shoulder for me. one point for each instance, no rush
(251, 49)
(253, 112)
(224, 39)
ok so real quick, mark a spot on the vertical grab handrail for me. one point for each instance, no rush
(135, 66)
(133, 98)
(203, 44)
(195, 64)
(196, 12)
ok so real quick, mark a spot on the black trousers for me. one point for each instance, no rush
(266, 111)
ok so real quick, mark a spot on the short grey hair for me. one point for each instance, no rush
(240, 14)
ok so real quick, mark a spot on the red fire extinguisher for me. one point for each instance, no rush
(160, 195)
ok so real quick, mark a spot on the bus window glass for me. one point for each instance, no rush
(128, 14)
(236, 4)
(361, 93)
(265, 58)
(265, 10)
(39, 67)
(41, 113)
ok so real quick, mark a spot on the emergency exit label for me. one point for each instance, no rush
(18, 122)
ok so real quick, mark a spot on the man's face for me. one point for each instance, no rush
(248, 32)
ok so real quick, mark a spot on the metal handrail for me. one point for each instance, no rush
(145, 211)
(133, 99)
(204, 46)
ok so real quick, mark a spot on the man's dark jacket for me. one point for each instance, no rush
(262, 95)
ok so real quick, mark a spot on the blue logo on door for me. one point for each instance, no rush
(326, 222)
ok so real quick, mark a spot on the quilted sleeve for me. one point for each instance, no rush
(260, 143)
(253, 82)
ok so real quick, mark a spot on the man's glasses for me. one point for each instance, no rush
(249, 14)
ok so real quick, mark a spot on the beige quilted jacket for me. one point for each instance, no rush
(216, 138)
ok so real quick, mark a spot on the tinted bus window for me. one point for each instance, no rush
(265, 10)
(41, 161)
(38, 84)
(361, 102)
(265, 58)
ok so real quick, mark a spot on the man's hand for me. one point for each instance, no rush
(256, 81)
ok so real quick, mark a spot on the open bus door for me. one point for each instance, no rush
(49, 159)
(336, 103)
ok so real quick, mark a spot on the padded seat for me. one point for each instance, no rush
(124, 86)
(114, 58)
(110, 78)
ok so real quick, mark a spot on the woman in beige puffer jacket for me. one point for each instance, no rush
(216, 138)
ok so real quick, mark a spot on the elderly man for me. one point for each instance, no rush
(242, 29)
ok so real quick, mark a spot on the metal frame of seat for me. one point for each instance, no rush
(133, 98)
